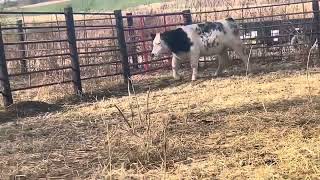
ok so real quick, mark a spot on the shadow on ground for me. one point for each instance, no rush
(153, 82)
(26, 109)
(120, 90)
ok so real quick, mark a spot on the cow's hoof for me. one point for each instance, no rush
(249, 74)
(216, 75)
(193, 82)
(177, 78)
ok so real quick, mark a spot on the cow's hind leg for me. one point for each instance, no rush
(241, 52)
(175, 68)
(194, 61)
(223, 59)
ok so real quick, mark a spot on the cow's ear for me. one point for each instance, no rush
(153, 36)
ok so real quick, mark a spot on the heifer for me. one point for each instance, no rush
(204, 39)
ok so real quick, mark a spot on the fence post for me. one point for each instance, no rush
(316, 22)
(132, 48)
(187, 18)
(4, 77)
(76, 79)
(22, 48)
(122, 45)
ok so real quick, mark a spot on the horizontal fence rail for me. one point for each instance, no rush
(77, 47)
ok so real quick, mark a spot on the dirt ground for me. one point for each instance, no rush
(264, 126)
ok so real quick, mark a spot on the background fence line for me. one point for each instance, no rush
(87, 46)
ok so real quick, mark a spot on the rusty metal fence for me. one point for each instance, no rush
(265, 29)
(76, 47)
(268, 29)
(70, 48)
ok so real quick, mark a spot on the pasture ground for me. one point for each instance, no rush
(83, 5)
(265, 126)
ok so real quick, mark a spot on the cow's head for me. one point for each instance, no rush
(299, 38)
(159, 46)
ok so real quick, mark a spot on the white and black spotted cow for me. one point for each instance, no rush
(190, 42)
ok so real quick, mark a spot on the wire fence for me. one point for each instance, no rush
(74, 48)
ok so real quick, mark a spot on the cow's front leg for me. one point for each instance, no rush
(194, 66)
(175, 68)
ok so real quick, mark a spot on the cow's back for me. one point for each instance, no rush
(212, 37)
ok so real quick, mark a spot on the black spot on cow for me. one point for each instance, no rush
(153, 36)
(177, 40)
(230, 19)
(207, 27)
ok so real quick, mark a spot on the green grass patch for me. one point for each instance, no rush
(84, 5)
(47, 8)
(91, 5)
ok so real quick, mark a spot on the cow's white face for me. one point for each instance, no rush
(159, 47)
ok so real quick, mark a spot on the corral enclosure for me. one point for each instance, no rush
(37, 50)
(264, 126)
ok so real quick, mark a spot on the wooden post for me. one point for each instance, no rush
(122, 45)
(187, 18)
(68, 12)
(22, 48)
(132, 48)
(4, 77)
(316, 23)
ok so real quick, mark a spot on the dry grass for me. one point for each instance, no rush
(208, 5)
(226, 128)
(262, 127)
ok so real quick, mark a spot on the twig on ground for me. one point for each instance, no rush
(109, 151)
(309, 55)
(148, 120)
(124, 117)
(165, 146)
(248, 62)
(308, 73)
(136, 98)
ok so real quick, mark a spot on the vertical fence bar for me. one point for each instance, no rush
(187, 18)
(168, 61)
(316, 23)
(114, 43)
(122, 45)
(22, 48)
(132, 47)
(4, 77)
(76, 79)
(144, 45)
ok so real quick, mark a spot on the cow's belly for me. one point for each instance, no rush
(209, 51)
